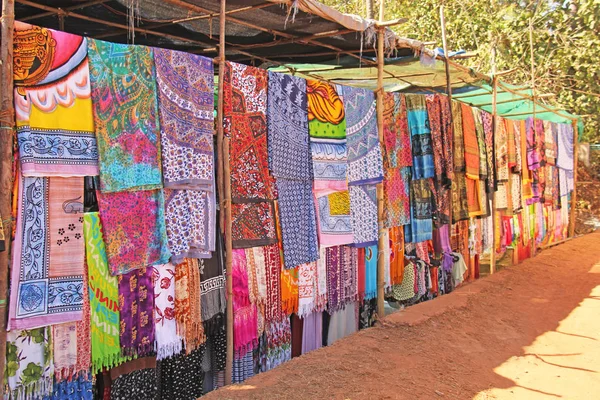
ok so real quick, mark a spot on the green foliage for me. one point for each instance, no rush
(566, 39)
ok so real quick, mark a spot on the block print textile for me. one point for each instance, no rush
(55, 122)
(133, 224)
(421, 227)
(364, 153)
(420, 134)
(48, 257)
(168, 342)
(363, 210)
(396, 201)
(185, 85)
(252, 224)
(397, 143)
(335, 220)
(125, 106)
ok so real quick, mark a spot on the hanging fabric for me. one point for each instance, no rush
(420, 133)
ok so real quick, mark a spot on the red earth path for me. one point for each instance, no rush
(530, 331)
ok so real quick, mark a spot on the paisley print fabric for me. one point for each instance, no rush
(136, 306)
(190, 221)
(364, 152)
(335, 220)
(252, 224)
(397, 143)
(363, 209)
(396, 202)
(125, 106)
(55, 123)
(133, 225)
(185, 85)
(48, 254)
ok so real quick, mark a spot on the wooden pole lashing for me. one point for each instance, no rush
(225, 201)
(380, 104)
(7, 129)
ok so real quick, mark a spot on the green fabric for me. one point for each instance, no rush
(325, 130)
(104, 299)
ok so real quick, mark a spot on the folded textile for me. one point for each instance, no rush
(55, 123)
(185, 84)
(104, 299)
(136, 312)
(125, 105)
(133, 225)
(29, 369)
(420, 133)
(327, 131)
(168, 342)
(335, 220)
(190, 221)
(363, 210)
(188, 307)
(253, 224)
(365, 164)
(48, 253)
(298, 222)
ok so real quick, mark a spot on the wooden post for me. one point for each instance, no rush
(572, 213)
(7, 126)
(494, 130)
(380, 104)
(225, 201)
(532, 61)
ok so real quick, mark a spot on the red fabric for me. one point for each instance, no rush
(361, 273)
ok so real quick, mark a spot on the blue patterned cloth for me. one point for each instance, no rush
(371, 272)
(363, 210)
(420, 133)
(420, 228)
(365, 164)
(79, 388)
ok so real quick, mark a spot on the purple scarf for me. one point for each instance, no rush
(334, 274)
(136, 304)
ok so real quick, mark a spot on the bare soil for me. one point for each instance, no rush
(530, 331)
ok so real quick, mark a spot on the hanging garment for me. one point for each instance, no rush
(342, 323)
(53, 109)
(64, 350)
(124, 97)
(104, 299)
(244, 312)
(278, 344)
(364, 152)
(335, 219)
(168, 342)
(312, 332)
(84, 338)
(137, 384)
(487, 122)
(421, 225)
(327, 129)
(257, 285)
(185, 84)
(334, 262)
(48, 254)
(371, 255)
(79, 387)
(29, 361)
(133, 225)
(483, 165)
(470, 142)
(188, 307)
(406, 289)
(253, 224)
(212, 285)
(289, 291)
(418, 126)
(397, 143)
(363, 210)
(396, 197)
(396, 255)
(273, 278)
(307, 282)
(564, 159)
(457, 128)
(181, 377)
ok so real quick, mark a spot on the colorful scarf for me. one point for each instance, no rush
(406, 290)
(84, 343)
(371, 255)
(245, 108)
(288, 142)
(551, 141)
(447, 135)
(298, 222)
(185, 85)
(361, 274)
(245, 323)
(212, 284)
(460, 205)
(55, 123)
(327, 130)
(364, 152)
(435, 124)
(257, 281)
(471, 149)
(459, 141)
(125, 113)
(65, 348)
(397, 143)
(29, 368)
(273, 278)
(333, 260)
(253, 224)
(564, 159)
(188, 308)
(487, 122)
(535, 139)
(418, 125)
(396, 240)
(79, 387)
(421, 224)
(307, 282)
(350, 274)
(321, 287)
(518, 153)
(168, 343)
(190, 221)
(363, 210)
(335, 220)
(104, 298)
(133, 225)
(136, 312)
(289, 291)
(475, 198)
(512, 150)
(396, 203)
(48, 254)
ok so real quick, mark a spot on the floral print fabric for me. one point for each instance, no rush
(168, 342)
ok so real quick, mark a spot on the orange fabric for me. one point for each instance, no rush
(397, 255)
(471, 142)
(474, 200)
(512, 150)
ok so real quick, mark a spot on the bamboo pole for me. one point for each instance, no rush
(532, 61)
(7, 126)
(226, 201)
(572, 213)
(381, 243)
(494, 130)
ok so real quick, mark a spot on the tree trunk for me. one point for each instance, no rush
(369, 4)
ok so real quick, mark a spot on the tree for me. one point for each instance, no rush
(566, 38)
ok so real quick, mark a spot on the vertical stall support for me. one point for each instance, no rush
(225, 200)
(7, 126)
(494, 130)
(380, 104)
(572, 211)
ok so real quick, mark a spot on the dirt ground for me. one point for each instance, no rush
(530, 331)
